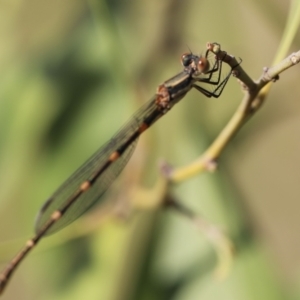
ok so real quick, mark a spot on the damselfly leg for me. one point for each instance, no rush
(210, 80)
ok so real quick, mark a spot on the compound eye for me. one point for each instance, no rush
(203, 65)
(186, 59)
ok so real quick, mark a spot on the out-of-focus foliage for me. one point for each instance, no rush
(72, 72)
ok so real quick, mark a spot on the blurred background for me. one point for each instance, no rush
(72, 72)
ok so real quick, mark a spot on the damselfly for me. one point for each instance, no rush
(85, 187)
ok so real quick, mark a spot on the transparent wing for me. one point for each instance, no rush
(87, 170)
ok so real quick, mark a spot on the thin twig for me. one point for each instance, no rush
(254, 97)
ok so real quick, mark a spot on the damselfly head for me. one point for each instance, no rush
(186, 59)
(203, 65)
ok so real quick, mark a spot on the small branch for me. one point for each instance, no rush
(271, 74)
(254, 95)
(253, 99)
(221, 243)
